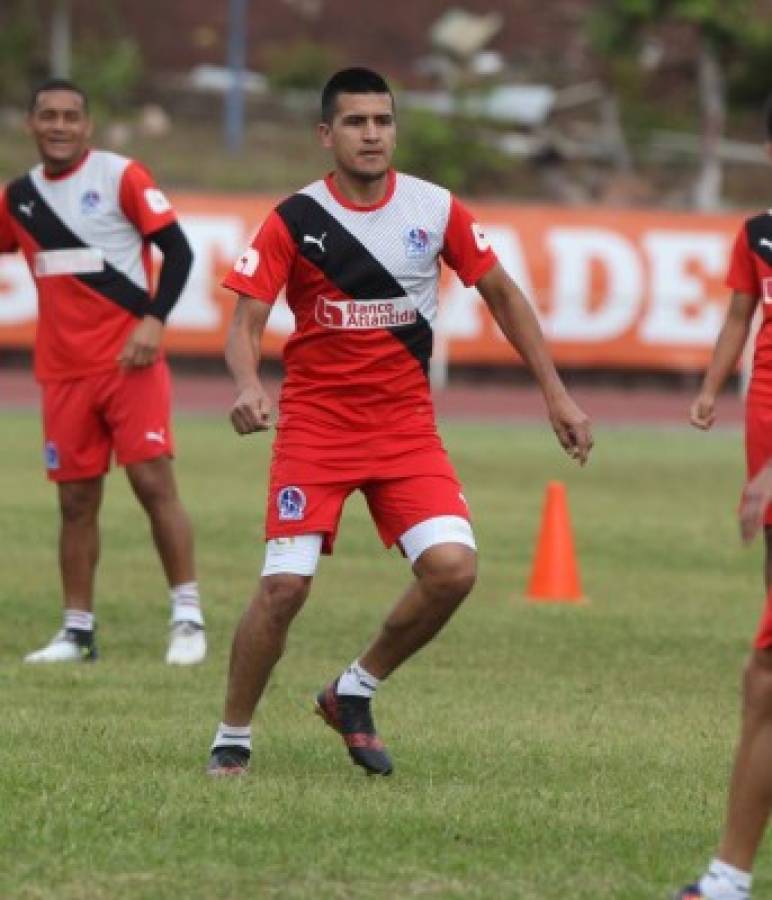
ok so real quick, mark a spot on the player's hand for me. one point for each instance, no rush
(702, 413)
(572, 428)
(753, 505)
(141, 348)
(252, 411)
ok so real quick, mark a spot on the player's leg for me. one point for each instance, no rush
(155, 487)
(77, 456)
(259, 643)
(138, 410)
(291, 559)
(444, 575)
(427, 516)
(79, 504)
(750, 791)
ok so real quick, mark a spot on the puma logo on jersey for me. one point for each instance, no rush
(319, 241)
(765, 242)
(157, 437)
(26, 208)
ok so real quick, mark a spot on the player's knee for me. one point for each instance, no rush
(757, 683)
(449, 571)
(153, 483)
(78, 504)
(281, 597)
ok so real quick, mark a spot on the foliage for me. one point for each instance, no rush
(618, 25)
(449, 151)
(301, 65)
(22, 61)
(108, 70)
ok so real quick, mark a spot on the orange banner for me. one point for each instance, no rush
(612, 289)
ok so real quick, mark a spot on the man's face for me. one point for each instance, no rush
(362, 135)
(61, 127)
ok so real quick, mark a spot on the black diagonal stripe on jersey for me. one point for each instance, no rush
(349, 265)
(50, 233)
(759, 230)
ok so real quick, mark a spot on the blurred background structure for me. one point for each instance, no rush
(590, 109)
(652, 102)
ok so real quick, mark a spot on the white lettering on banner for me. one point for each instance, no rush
(211, 237)
(679, 312)
(18, 297)
(461, 307)
(573, 252)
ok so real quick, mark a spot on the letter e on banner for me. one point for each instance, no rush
(681, 311)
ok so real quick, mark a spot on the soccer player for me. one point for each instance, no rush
(750, 794)
(359, 253)
(84, 220)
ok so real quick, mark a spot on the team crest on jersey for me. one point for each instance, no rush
(292, 504)
(89, 202)
(248, 262)
(416, 242)
(156, 201)
(51, 455)
(480, 237)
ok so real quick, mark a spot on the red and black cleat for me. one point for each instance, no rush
(228, 761)
(350, 716)
(690, 892)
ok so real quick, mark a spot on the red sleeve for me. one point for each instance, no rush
(742, 275)
(466, 248)
(142, 201)
(263, 268)
(8, 240)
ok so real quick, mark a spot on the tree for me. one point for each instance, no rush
(726, 33)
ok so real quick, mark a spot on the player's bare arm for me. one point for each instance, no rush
(253, 408)
(726, 353)
(517, 321)
(756, 497)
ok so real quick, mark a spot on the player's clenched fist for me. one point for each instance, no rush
(703, 411)
(252, 411)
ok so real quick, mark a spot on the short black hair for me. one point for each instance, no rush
(57, 84)
(351, 81)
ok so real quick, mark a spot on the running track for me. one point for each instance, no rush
(485, 403)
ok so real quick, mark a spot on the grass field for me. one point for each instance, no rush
(541, 751)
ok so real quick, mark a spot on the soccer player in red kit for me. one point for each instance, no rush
(359, 254)
(84, 220)
(728, 876)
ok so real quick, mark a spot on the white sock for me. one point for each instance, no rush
(186, 606)
(357, 682)
(79, 620)
(233, 736)
(725, 882)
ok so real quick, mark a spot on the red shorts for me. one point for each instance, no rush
(763, 639)
(758, 440)
(86, 419)
(396, 504)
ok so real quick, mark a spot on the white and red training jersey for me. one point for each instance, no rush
(83, 234)
(362, 283)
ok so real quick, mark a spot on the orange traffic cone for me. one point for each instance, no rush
(555, 576)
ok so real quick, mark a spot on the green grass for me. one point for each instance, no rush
(541, 751)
